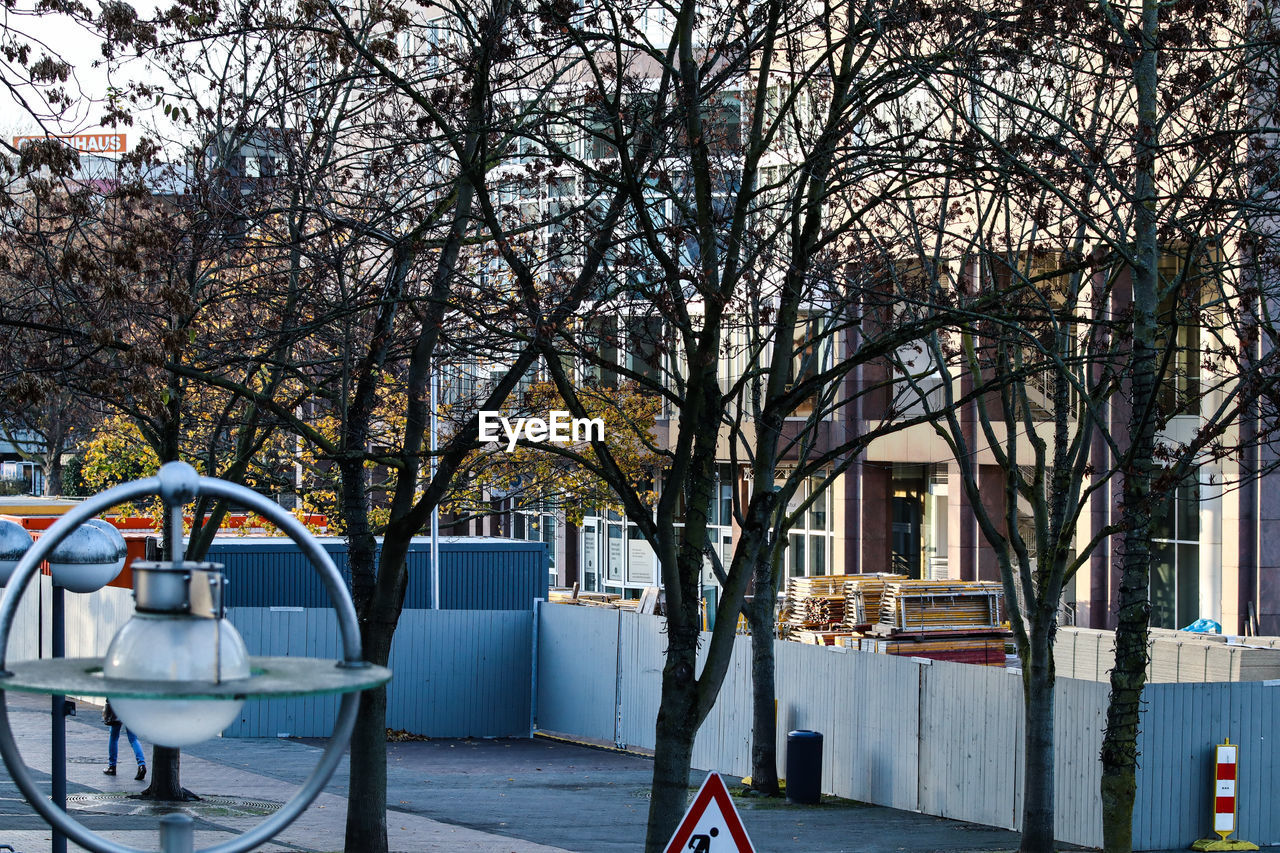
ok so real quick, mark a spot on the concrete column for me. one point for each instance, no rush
(877, 517)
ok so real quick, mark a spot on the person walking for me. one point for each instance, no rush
(113, 744)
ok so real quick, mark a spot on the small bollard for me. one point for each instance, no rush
(804, 767)
(177, 834)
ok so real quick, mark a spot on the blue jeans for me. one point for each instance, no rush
(113, 745)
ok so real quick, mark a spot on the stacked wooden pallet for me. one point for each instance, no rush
(798, 614)
(941, 620)
(563, 595)
(1174, 656)
(863, 594)
(981, 649)
(598, 599)
(831, 603)
(824, 609)
(932, 605)
(889, 614)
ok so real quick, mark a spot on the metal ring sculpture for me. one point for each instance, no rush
(176, 484)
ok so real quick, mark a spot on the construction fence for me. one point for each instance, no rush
(457, 673)
(930, 736)
(936, 737)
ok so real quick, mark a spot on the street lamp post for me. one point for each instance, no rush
(199, 669)
(88, 559)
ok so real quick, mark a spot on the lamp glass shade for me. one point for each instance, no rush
(14, 542)
(164, 647)
(114, 534)
(85, 561)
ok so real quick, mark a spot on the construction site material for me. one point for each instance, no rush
(823, 638)
(932, 605)
(564, 595)
(597, 599)
(649, 600)
(982, 649)
(889, 614)
(864, 593)
(831, 602)
(824, 610)
(1174, 656)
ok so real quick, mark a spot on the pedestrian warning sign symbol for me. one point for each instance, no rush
(712, 824)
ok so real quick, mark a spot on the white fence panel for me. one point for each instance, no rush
(578, 671)
(24, 635)
(724, 741)
(642, 653)
(939, 737)
(970, 743)
(1080, 717)
(877, 757)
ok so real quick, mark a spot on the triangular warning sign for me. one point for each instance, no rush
(711, 825)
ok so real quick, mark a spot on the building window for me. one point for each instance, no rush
(645, 350)
(534, 524)
(811, 540)
(1183, 286)
(811, 356)
(1035, 279)
(1175, 557)
(600, 349)
(591, 548)
(615, 550)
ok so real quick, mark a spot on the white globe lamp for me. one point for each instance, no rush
(117, 539)
(85, 561)
(14, 542)
(177, 634)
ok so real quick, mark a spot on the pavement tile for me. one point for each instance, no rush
(488, 796)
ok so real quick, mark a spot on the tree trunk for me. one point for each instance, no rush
(673, 746)
(53, 474)
(1120, 742)
(1038, 699)
(166, 776)
(367, 798)
(764, 718)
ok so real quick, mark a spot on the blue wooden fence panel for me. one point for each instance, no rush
(477, 573)
(578, 690)
(1181, 725)
(457, 673)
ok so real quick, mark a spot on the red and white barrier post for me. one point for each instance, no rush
(1226, 776)
(1224, 797)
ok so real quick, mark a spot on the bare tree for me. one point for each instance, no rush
(687, 121)
(1111, 194)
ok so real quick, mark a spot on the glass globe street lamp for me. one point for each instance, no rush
(178, 659)
(14, 542)
(86, 560)
(179, 610)
(116, 538)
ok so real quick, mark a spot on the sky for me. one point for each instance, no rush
(60, 36)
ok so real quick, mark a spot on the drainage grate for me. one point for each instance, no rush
(127, 804)
(647, 794)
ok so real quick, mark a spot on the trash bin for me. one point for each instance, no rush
(804, 767)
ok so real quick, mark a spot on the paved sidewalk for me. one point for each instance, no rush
(487, 796)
